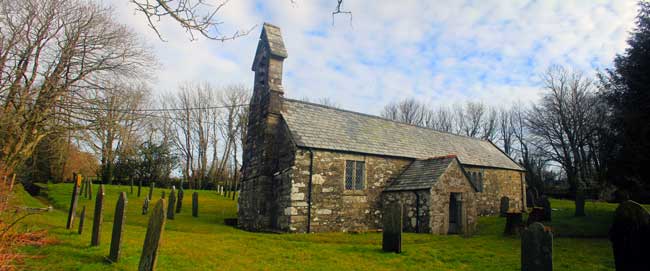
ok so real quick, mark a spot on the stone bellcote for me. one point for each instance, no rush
(267, 64)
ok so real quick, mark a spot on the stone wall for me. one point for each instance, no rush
(498, 183)
(453, 181)
(332, 207)
(416, 212)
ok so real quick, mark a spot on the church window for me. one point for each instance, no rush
(354, 175)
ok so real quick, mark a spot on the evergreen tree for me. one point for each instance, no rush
(627, 88)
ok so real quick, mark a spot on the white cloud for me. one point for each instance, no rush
(436, 51)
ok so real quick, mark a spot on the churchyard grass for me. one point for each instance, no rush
(205, 243)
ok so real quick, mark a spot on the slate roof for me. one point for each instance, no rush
(421, 174)
(322, 127)
(272, 34)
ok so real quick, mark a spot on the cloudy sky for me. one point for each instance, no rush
(440, 52)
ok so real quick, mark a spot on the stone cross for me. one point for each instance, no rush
(118, 228)
(179, 201)
(98, 217)
(392, 232)
(152, 185)
(82, 217)
(505, 205)
(629, 234)
(145, 206)
(537, 248)
(76, 183)
(153, 237)
(195, 204)
(172, 203)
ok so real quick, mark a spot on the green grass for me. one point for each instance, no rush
(205, 243)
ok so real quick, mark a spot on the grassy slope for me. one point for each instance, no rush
(204, 243)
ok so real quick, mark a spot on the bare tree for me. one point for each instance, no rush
(563, 122)
(52, 50)
(407, 111)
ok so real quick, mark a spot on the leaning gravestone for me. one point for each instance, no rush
(505, 205)
(153, 237)
(118, 228)
(537, 248)
(392, 232)
(98, 217)
(82, 217)
(145, 206)
(179, 200)
(630, 236)
(172, 203)
(76, 182)
(152, 185)
(513, 224)
(195, 204)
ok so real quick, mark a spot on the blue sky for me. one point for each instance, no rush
(439, 52)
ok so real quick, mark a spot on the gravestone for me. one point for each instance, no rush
(76, 183)
(82, 190)
(505, 205)
(392, 231)
(179, 200)
(118, 228)
(530, 199)
(153, 237)
(90, 189)
(195, 204)
(98, 217)
(152, 185)
(172, 203)
(139, 187)
(514, 223)
(145, 206)
(82, 217)
(536, 215)
(580, 203)
(537, 248)
(630, 236)
(546, 205)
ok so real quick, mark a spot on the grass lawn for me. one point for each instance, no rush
(205, 243)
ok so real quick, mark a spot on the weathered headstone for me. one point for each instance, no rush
(195, 204)
(536, 215)
(152, 185)
(514, 223)
(76, 183)
(530, 198)
(82, 217)
(172, 204)
(118, 228)
(82, 190)
(179, 199)
(145, 206)
(392, 232)
(505, 205)
(537, 248)
(546, 205)
(153, 237)
(580, 203)
(98, 216)
(90, 189)
(630, 236)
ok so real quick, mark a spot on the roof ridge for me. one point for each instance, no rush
(386, 119)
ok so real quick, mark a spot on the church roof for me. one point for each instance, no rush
(421, 174)
(322, 127)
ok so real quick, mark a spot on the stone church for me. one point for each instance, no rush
(314, 168)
